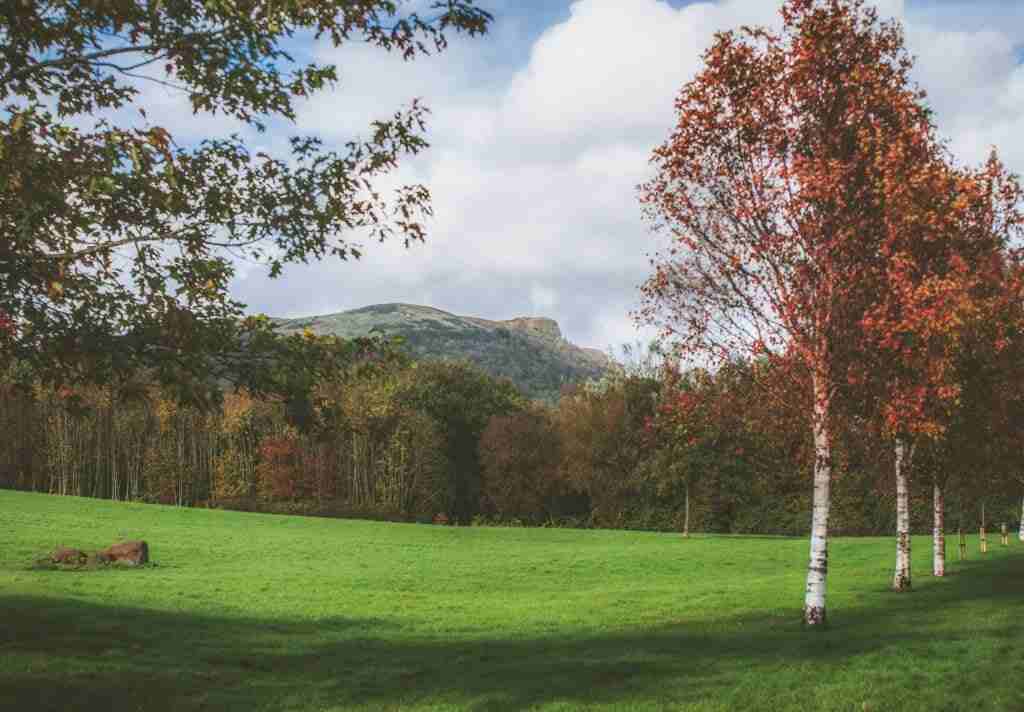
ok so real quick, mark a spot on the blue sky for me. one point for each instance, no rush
(541, 130)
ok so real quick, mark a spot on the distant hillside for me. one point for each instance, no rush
(528, 350)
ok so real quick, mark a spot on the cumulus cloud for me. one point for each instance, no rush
(536, 154)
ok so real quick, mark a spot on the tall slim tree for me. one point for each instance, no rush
(791, 168)
(939, 324)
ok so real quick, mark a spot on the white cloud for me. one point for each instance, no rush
(542, 298)
(611, 69)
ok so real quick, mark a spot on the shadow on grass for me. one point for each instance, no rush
(727, 537)
(73, 655)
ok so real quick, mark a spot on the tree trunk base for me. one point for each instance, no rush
(901, 583)
(814, 616)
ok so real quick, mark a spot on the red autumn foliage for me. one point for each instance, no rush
(278, 472)
(803, 188)
(520, 456)
(947, 286)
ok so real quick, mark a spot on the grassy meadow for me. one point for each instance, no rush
(261, 612)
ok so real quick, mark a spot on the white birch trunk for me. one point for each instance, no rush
(939, 533)
(686, 516)
(1022, 520)
(817, 568)
(901, 579)
(982, 539)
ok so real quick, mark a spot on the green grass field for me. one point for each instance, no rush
(258, 612)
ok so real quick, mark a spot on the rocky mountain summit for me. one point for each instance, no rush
(530, 351)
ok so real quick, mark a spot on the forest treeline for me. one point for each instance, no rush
(645, 448)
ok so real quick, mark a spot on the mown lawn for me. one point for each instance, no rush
(257, 612)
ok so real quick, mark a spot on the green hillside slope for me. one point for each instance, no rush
(531, 352)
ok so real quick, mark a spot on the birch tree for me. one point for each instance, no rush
(941, 320)
(783, 186)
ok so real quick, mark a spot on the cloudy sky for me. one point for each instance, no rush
(541, 130)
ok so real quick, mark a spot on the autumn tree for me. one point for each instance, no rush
(936, 318)
(993, 394)
(698, 436)
(602, 431)
(520, 455)
(117, 240)
(792, 165)
(962, 451)
(675, 432)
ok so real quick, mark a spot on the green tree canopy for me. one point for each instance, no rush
(462, 399)
(116, 241)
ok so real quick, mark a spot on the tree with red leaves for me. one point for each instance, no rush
(519, 457)
(680, 432)
(946, 284)
(993, 394)
(786, 185)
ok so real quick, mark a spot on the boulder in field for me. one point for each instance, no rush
(65, 555)
(128, 552)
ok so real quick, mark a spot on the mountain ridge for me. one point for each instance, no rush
(529, 350)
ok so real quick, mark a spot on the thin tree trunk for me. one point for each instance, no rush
(939, 533)
(983, 540)
(817, 567)
(901, 578)
(686, 514)
(1022, 520)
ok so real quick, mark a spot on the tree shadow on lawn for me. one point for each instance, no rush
(71, 654)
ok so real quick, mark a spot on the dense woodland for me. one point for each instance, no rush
(445, 442)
